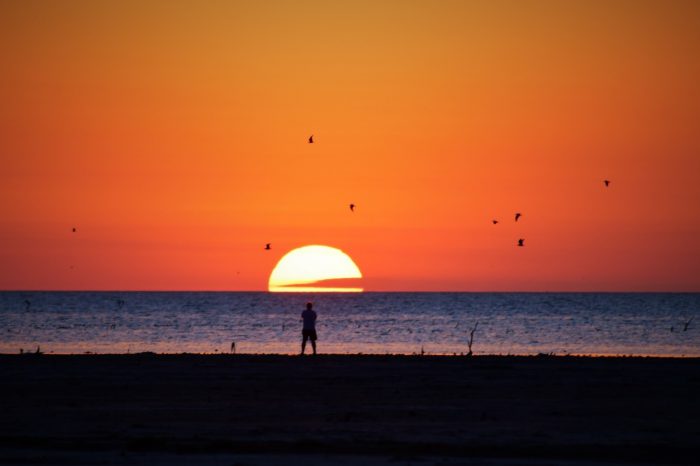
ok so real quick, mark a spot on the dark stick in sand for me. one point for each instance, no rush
(685, 326)
(471, 339)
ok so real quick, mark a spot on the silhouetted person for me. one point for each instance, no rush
(521, 242)
(495, 222)
(267, 246)
(27, 304)
(352, 207)
(607, 183)
(233, 347)
(308, 331)
(311, 139)
(517, 216)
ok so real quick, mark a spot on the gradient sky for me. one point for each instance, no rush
(173, 136)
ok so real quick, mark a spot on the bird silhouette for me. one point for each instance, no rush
(494, 221)
(74, 230)
(311, 139)
(521, 242)
(352, 207)
(607, 183)
(267, 246)
(517, 216)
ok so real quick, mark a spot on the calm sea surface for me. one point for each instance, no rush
(438, 323)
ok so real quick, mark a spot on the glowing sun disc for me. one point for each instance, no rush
(311, 264)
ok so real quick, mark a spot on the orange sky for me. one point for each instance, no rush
(173, 136)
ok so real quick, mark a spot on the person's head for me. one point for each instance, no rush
(309, 306)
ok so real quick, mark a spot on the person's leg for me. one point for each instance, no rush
(303, 343)
(313, 345)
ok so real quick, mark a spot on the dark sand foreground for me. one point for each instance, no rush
(212, 409)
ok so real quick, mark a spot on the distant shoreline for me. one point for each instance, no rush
(30, 354)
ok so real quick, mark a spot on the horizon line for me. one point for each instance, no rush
(331, 292)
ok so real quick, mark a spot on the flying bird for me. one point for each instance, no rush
(352, 207)
(521, 242)
(607, 183)
(311, 139)
(74, 230)
(267, 246)
(517, 216)
(494, 221)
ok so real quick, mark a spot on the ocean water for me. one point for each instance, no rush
(400, 323)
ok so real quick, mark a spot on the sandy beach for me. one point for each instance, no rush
(243, 409)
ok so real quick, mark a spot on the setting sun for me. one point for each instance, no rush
(312, 265)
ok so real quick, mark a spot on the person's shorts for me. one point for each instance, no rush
(310, 334)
